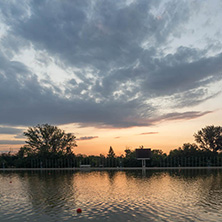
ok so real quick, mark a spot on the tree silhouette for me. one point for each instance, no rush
(186, 150)
(210, 138)
(49, 139)
(111, 153)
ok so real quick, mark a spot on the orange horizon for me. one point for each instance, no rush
(166, 136)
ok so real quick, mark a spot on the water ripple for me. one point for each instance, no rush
(111, 196)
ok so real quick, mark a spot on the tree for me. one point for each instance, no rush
(158, 156)
(129, 153)
(49, 139)
(130, 158)
(111, 153)
(210, 138)
(24, 151)
(187, 150)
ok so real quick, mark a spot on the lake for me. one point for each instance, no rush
(152, 195)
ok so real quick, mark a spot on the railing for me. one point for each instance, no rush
(75, 162)
(102, 162)
(189, 162)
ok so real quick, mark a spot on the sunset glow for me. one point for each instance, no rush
(113, 73)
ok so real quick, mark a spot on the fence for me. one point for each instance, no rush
(189, 162)
(100, 162)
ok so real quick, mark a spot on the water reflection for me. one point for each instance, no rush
(51, 191)
(164, 195)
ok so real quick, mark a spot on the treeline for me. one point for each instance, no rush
(181, 157)
(50, 147)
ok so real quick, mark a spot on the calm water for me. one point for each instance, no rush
(186, 195)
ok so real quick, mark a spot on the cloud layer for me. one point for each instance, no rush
(87, 138)
(9, 130)
(11, 142)
(115, 61)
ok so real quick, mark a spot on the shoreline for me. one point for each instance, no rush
(109, 168)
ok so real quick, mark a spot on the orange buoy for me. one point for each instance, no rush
(79, 210)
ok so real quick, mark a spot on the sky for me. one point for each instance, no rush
(115, 73)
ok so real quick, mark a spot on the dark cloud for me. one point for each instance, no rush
(184, 115)
(148, 133)
(115, 51)
(19, 136)
(25, 101)
(9, 130)
(12, 142)
(87, 138)
(193, 97)
(184, 76)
